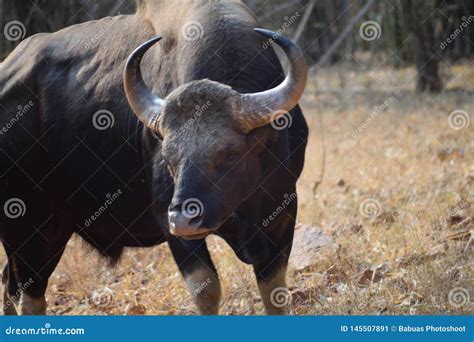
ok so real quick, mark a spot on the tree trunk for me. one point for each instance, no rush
(422, 32)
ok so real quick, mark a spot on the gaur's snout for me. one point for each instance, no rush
(186, 218)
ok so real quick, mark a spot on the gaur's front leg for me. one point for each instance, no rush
(199, 273)
(272, 285)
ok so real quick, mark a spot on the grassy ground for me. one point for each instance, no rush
(396, 197)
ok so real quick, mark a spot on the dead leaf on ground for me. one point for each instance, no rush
(450, 153)
(373, 275)
(138, 309)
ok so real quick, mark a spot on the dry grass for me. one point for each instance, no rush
(408, 160)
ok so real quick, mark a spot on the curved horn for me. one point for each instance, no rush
(146, 105)
(259, 109)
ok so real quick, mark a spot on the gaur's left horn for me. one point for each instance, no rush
(259, 109)
(146, 105)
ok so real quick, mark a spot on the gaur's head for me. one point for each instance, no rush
(207, 143)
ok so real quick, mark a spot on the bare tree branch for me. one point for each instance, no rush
(304, 21)
(345, 33)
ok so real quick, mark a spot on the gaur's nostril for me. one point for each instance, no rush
(181, 223)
